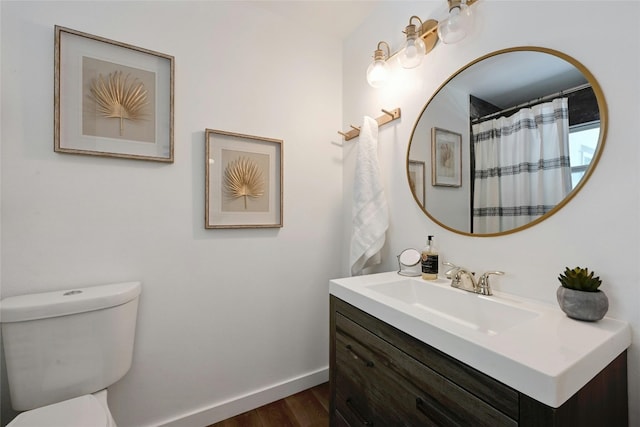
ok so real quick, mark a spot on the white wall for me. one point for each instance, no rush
(226, 314)
(223, 314)
(599, 228)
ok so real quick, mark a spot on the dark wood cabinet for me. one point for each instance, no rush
(381, 376)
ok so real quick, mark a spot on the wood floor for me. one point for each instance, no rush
(309, 408)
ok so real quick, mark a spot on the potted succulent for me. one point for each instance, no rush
(579, 296)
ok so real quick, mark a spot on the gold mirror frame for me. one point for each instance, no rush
(602, 106)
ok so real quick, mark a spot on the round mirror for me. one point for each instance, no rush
(506, 141)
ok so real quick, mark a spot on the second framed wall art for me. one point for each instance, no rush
(243, 181)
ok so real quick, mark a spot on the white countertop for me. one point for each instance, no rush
(548, 357)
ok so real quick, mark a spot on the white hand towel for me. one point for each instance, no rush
(370, 211)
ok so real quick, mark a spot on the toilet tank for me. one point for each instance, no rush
(61, 345)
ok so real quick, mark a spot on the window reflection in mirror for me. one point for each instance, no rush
(583, 139)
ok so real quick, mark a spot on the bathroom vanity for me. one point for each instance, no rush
(409, 352)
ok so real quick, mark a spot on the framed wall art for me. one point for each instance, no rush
(243, 181)
(112, 99)
(446, 158)
(416, 179)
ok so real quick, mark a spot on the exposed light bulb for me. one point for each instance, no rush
(458, 25)
(412, 53)
(413, 49)
(378, 71)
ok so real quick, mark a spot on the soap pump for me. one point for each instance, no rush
(430, 260)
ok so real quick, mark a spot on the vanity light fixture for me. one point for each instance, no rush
(459, 22)
(421, 39)
(413, 49)
(378, 71)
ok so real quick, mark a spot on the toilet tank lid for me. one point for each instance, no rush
(71, 301)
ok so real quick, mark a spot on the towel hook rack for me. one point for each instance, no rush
(388, 116)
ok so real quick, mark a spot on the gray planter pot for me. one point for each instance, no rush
(581, 305)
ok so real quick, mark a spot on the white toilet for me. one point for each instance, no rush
(63, 349)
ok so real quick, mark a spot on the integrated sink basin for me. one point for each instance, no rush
(480, 313)
(529, 345)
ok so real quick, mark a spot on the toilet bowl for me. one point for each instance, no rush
(63, 349)
(84, 411)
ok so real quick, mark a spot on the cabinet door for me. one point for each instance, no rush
(485, 388)
(363, 395)
(380, 385)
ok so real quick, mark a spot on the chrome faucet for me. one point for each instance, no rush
(465, 280)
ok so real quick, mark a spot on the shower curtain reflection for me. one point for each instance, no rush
(521, 166)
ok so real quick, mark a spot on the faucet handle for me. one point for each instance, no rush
(450, 273)
(483, 283)
(499, 273)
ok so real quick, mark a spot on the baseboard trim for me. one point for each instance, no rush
(237, 405)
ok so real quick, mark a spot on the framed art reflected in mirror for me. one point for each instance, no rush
(446, 158)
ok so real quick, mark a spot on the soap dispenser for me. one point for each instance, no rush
(430, 260)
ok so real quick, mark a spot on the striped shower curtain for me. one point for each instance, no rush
(521, 166)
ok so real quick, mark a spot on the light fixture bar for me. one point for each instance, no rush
(428, 34)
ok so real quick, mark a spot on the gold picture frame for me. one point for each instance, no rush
(112, 99)
(243, 181)
(446, 158)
